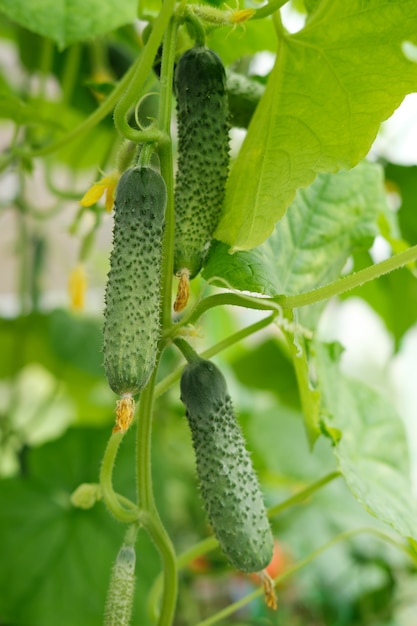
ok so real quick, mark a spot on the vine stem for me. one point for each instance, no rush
(303, 494)
(356, 279)
(111, 499)
(140, 73)
(268, 9)
(171, 379)
(151, 520)
(336, 288)
(231, 608)
(166, 161)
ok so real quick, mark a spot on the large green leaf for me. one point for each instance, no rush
(257, 36)
(71, 21)
(56, 560)
(333, 83)
(372, 451)
(309, 246)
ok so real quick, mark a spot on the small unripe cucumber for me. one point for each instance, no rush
(203, 155)
(228, 483)
(131, 316)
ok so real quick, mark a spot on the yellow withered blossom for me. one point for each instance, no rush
(77, 287)
(107, 186)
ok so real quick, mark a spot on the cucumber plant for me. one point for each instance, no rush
(170, 204)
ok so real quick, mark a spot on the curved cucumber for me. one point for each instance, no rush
(131, 316)
(228, 483)
(203, 155)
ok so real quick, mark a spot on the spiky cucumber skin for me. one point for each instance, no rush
(203, 155)
(132, 301)
(228, 483)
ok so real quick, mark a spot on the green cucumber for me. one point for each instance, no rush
(243, 95)
(132, 310)
(121, 592)
(203, 155)
(228, 483)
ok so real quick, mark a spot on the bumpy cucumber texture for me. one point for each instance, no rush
(203, 155)
(131, 316)
(228, 483)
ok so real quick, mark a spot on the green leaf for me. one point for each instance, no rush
(267, 366)
(332, 85)
(276, 434)
(68, 22)
(309, 246)
(257, 36)
(56, 559)
(372, 452)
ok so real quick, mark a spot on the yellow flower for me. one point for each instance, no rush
(107, 186)
(77, 286)
(239, 16)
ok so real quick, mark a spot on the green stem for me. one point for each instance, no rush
(189, 353)
(357, 279)
(151, 519)
(144, 441)
(45, 66)
(231, 299)
(199, 549)
(231, 608)
(161, 539)
(337, 288)
(231, 340)
(142, 69)
(310, 397)
(166, 162)
(111, 499)
(197, 26)
(70, 73)
(268, 9)
(302, 495)
(145, 155)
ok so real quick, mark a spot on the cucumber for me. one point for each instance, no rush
(243, 95)
(228, 484)
(203, 155)
(132, 301)
(121, 593)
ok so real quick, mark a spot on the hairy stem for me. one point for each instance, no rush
(166, 160)
(231, 340)
(142, 70)
(151, 519)
(111, 499)
(336, 288)
(342, 285)
(302, 495)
